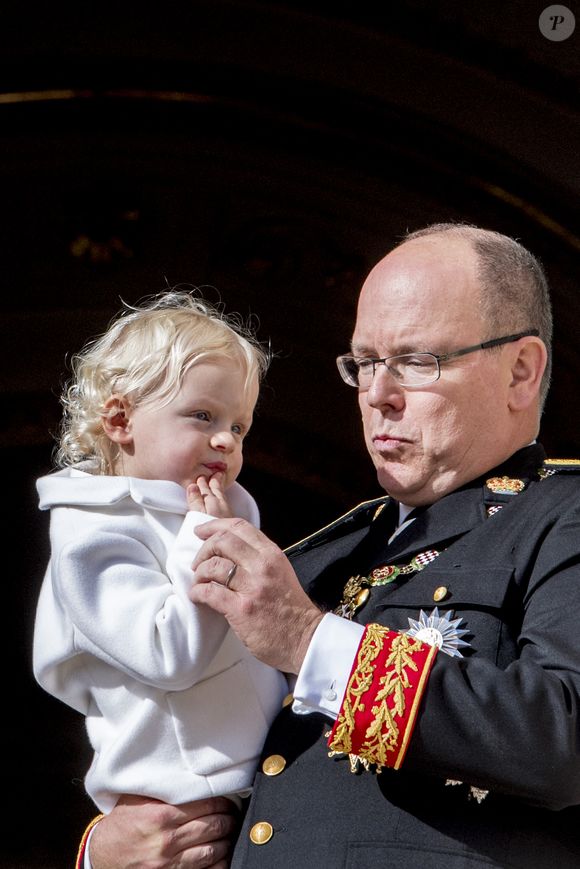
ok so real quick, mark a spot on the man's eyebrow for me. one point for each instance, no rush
(366, 350)
(361, 349)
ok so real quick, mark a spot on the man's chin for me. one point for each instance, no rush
(401, 487)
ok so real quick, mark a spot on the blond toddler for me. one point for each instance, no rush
(155, 418)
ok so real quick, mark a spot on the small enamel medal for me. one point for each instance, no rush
(441, 631)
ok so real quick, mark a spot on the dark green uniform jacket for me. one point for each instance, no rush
(504, 718)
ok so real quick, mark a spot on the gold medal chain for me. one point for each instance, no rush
(357, 590)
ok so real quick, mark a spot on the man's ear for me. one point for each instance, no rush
(117, 419)
(529, 364)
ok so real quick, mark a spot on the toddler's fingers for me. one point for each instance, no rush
(217, 504)
(194, 498)
(203, 486)
(216, 485)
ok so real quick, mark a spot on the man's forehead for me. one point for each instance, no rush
(419, 289)
(423, 260)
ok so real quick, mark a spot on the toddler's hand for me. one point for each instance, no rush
(207, 496)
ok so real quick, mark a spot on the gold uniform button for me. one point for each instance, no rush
(440, 593)
(288, 699)
(261, 833)
(274, 764)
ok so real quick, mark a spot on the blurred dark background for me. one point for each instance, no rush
(269, 153)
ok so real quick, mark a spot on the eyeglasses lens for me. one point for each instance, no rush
(413, 369)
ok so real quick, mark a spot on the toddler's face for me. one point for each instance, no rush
(198, 433)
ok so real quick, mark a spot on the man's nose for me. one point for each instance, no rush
(385, 390)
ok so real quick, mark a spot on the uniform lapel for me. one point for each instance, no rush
(324, 568)
(449, 518)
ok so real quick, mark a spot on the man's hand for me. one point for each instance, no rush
(263, 601)
(208, 496)
(147, 834)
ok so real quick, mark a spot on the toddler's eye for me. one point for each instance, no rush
(202, 415)
(238, 429)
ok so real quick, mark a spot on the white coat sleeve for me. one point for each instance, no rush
(131, 614)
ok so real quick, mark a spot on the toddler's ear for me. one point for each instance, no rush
(117, 420)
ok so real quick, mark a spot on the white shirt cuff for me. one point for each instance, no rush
(325, 671)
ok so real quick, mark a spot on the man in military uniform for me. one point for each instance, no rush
(433, 632)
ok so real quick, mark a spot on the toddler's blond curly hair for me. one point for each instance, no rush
(143, 356)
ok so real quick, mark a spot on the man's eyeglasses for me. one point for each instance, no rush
(410, 369)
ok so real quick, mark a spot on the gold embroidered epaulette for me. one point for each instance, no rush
(559, 466)
(364, 512)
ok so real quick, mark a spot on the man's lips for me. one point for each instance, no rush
(214, 467)
(386, 440)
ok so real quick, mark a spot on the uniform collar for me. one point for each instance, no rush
(463, 509)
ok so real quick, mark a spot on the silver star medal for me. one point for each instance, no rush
(441, 631)
(444, 632)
